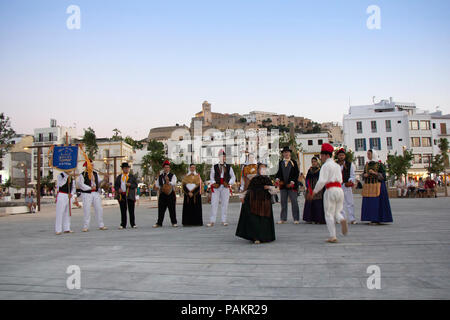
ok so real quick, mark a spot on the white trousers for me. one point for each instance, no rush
(62, 212)
(221, 194)
(348, 204)
(402, 192)
(90, 199)
(333, 202)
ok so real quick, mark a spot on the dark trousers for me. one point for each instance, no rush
(164, 202)
(123, 211)
(291, 194)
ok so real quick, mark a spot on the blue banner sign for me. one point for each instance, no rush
(65, 157)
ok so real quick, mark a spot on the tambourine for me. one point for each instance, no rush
(167, 189)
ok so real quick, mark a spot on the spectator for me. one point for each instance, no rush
(421, 188)
(411, 188)
(430, 187)
(29, 200)
(402, 190)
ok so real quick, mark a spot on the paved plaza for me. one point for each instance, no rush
(413, 255)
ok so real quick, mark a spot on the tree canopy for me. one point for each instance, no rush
(6, 133)
(90, 141)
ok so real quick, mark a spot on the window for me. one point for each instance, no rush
(424, 125)
(1, 165)
(389, 143)
(415, 142)
(360, 144)
(417, 159)
(40, 137)
(435, 142)
(388, 126)
(426, 142)
(443, 128)
(399, 121)
(359, 127)
(320, 142)
(375, 143)
(434, 125)
(413, 125)
(373, 125)
(310, 142)
(360, 162)
(50, 136)
(400, 139)
(426, 158)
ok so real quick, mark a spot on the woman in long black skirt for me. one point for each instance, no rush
(192, 205)
(256, 218)
(313, 211)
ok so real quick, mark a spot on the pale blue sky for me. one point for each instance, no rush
(140, 64)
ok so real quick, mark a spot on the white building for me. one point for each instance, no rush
(258, 116)
(46, 136)
(440, 126)
(13, 163)
(389, 127)
(311, 144)
(103, 159)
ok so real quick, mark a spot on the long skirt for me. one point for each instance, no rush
(377, 209)
(314, 212)
(192, 211)
(253, 227)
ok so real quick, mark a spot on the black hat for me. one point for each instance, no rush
(124, 165)
(286, 148)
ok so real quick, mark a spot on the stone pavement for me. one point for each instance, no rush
(211, 263)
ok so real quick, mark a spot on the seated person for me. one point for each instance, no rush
(430, 187)
(421, 188)
(29, 200)
(402, 190)
(411, 187)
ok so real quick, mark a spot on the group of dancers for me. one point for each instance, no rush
(329, 188)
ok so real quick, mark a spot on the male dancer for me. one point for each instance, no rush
(222, 178)
(348, 181)
(333, 199)
(167, 197)
(66, 189)
(287, 178)
(125, 186)
(90, 196)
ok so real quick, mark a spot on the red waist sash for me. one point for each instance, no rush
(333, 184)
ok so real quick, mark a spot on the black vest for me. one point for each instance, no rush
(87, 181)
(162, 180)
(67, 187)
(346, 171)
(226, 174)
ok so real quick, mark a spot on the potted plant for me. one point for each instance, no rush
(18, 194)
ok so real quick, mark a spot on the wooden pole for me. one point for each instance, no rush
(115, 169)
(26, 182)
(38, 186)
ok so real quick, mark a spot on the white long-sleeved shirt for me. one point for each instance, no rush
(85, 187)
(329, 172)
(213, 174)
(172, 182)
(352, 172)
(61, 180)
